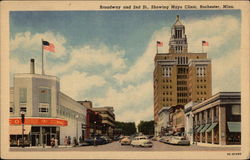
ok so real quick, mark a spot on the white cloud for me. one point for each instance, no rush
(226, 72)
(145, 63)
(29, 42)
(88, 57)
(216, 30)
(131, 98)
(75, 83)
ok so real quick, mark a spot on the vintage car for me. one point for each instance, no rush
(141, 141)
(126, 141)
(178, 140)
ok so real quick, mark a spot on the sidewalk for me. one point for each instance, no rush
(59, 146)
(215, 145)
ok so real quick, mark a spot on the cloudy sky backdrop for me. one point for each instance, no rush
(107, 56)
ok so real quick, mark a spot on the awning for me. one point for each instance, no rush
(17, 130)
(233, 126)
(190, 131)
(211, 127)
(205, 128)
(198, 130)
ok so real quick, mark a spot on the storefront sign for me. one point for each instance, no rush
(39, 121)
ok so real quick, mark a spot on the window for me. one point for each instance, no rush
(23, 95)
(235, 109)
(167, 71)
(44, 95)
(43, 110)
(11, 109)
(23, 109)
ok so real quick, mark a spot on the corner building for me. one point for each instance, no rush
(180, 76)
(48, 112)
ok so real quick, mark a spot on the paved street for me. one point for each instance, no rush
(115, 146)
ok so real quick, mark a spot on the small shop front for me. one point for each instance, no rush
(37, 131)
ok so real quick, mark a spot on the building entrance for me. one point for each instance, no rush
(41, 136)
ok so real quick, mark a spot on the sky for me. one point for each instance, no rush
(107, 57)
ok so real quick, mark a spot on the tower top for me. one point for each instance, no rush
(178, 40)
(177, 22)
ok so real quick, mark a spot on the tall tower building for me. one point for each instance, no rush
(180, 76)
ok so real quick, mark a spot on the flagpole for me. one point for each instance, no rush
(42, 59)
(202, 49)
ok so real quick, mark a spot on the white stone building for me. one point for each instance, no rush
(48, 112)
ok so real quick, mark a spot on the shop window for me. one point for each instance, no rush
(235, 109)
(23, 95)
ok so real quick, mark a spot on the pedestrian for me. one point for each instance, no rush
(56, 143)
(37, 141)
(52, 142)
(69, 140)
(18, 142)
(80, 139)
(74, 142)
(66, 141)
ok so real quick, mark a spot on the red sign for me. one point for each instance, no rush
(38, 121)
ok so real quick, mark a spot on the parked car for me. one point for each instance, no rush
(179, 141)
(107, 139)
(164, 139)
(141, 141)
(158, 138)
(168, 138)
(126, 141)
(98, 141)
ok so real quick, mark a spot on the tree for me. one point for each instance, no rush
(127, 128)
(146, 127)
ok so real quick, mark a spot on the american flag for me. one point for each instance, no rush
(204, 43)
(159, 44)
(48, 46)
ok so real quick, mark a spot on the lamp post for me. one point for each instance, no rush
(193, 128)
(77, 127)
(23, 119)
(94, 133)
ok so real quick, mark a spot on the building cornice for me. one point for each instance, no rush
(40, 76)
(219, 98)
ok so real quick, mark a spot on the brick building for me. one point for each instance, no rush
(180, 76)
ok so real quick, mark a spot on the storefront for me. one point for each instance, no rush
(37, 131)
(217, 120)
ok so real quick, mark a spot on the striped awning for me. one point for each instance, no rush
(211, 127)
(205, 128)
(198, 130)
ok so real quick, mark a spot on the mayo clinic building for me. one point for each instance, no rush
(48, 112)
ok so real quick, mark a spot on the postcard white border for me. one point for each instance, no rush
(7, 6)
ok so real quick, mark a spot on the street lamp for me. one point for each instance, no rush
(77, 127)
(23, 119)
(193, 128)
(94, 132)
